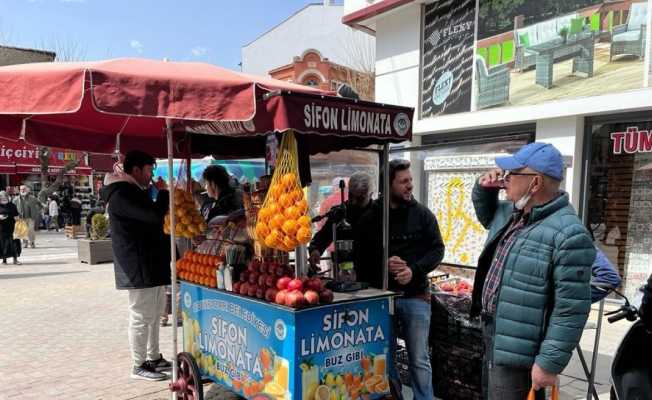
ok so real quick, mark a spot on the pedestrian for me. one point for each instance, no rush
(415, 249)
(53, 213)
(532, 285)
(359, 201)
(8, 215)
(604, 277)
(75, 210)
(141, 266)
(29, 209)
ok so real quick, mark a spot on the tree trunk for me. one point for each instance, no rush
(47, 188)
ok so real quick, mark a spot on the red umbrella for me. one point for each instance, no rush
(92, 106)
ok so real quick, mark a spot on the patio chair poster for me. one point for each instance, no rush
(533, 51)
(448, 38)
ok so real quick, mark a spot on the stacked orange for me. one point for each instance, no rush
(189, 223)
(198, 268)
(282, 223)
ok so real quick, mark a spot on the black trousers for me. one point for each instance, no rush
(500, 382)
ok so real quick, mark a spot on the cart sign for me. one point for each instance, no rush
(322, 115)
(340, 351)
(632, 141)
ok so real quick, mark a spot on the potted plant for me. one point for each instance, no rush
(563, 32)
(98, 249)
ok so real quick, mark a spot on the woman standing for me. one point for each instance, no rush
(223, 198)
(8, 214)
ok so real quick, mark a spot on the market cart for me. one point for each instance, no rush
(186, 110)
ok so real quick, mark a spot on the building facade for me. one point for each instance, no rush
(485, 81)
(312, 69)
(316, 26)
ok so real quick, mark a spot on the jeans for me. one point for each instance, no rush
(413, 315)
(145, 309)
(500, 382)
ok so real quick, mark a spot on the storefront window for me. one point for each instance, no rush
(620, 198)
(444, 176)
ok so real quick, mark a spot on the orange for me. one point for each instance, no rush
(186, 220)
(273, 209)
(262, 230)
(302, 205)
(290, 243)
(297, 194)
(289, 179)
(292, 213)
(275, 190)
(304, 235)
(264, 214)
(273, 238)
(285, 200)
(179, 229)
(290, 227)
(166, 229)
(304, 221)
(276, 221)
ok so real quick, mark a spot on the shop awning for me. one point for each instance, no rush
(23, 158)
(124, 104)
(7, 168)
(52, 170)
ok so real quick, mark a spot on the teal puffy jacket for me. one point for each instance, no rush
(545, 296)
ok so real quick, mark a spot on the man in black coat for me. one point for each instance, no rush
(415, 249)
(142, 264)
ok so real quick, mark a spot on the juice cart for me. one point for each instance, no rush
(187, 110)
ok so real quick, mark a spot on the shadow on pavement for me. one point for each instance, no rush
(34, 275)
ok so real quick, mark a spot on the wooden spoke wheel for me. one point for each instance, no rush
(188, 385)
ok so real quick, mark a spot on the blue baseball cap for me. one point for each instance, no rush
(541, 157)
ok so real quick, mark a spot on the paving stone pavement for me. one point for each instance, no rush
(64, 333)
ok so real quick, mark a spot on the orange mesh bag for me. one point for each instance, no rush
(189, 222)
(283, 222)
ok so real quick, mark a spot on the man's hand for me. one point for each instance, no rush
(491, 176)
(399, 268)
(542, 378)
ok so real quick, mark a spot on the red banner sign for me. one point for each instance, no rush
(632, 141)
(23, 158)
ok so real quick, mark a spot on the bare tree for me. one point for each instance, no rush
(358, 50)
(47, 187)
(65, 49)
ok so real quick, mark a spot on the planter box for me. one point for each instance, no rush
(94, 251)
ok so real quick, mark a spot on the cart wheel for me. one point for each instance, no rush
(188, 384)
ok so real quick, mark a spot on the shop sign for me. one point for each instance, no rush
(27, 155)
(632, 141)
(340, 350)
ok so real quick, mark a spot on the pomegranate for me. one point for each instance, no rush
(312, 297)
(295, 299)
(251, 292)
(326, 296)
(236, 287)
(283, 282)
(244, 276)
(280, 297)
(270, 294)
(262, 279)
(295, 284)
(270, 282)
(253, 278)
(314, 284)
(260, 292)
(244, 288)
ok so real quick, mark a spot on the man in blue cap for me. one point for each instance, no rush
(532, 285)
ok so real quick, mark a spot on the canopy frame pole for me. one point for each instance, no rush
(385, 160)
(173, 249)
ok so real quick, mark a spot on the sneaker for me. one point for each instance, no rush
(147, 372)
(161, 364)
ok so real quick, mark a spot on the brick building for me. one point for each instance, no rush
(312, 69)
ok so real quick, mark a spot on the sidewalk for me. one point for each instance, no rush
(64, 333)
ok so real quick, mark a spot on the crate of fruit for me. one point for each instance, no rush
(459, 287)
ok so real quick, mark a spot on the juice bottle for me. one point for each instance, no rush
(282, 372)
(379, 364)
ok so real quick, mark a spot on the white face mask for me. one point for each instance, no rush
(522, 202)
